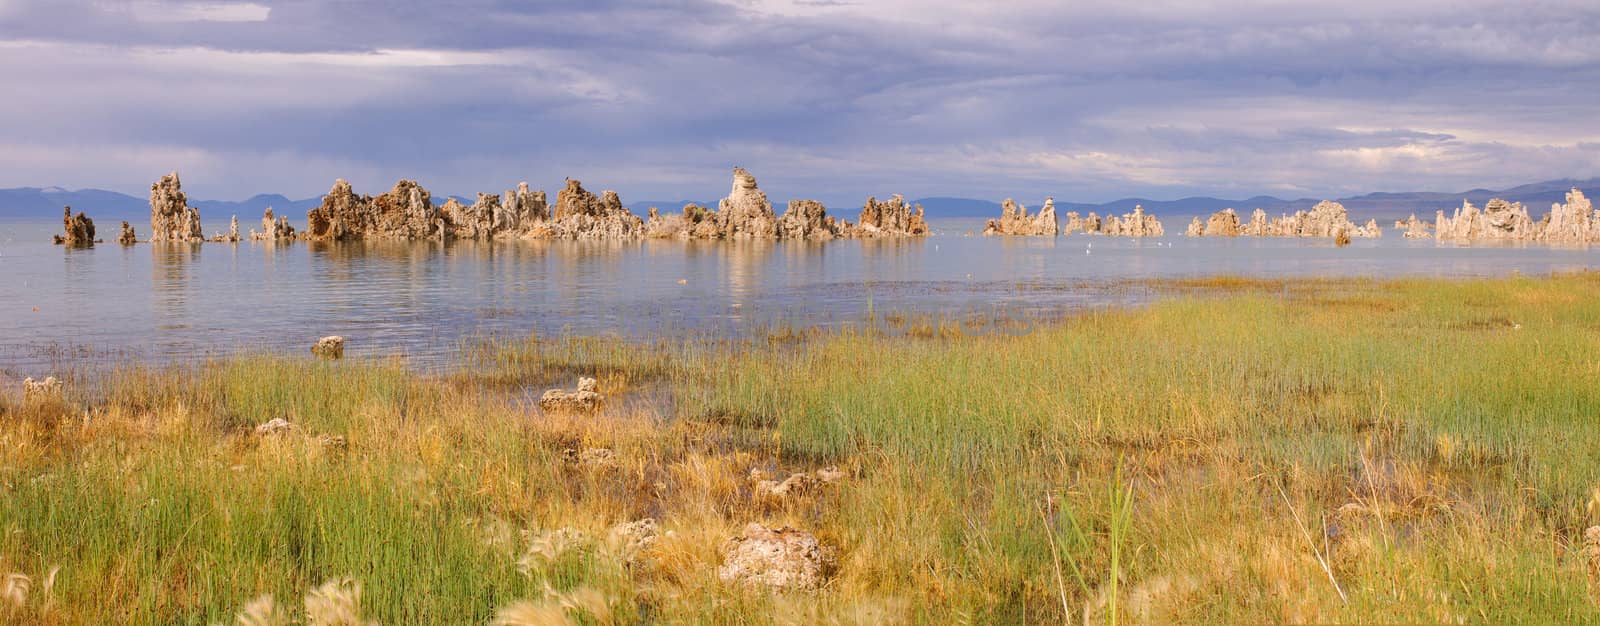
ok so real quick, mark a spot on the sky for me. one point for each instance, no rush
(1086, 100)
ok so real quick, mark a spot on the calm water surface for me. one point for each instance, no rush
(60, 306)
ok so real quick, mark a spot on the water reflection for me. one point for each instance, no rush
(421, 298)
(170, 282)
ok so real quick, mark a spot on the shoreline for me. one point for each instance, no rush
(736, 323)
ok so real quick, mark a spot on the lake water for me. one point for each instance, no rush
(60, 306)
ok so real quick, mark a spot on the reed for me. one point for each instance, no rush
(1241, 451)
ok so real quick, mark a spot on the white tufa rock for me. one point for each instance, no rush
(584, 399)
(781, 559)
(34, 390)
(330, 347)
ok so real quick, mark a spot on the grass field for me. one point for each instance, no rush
(1254, 451)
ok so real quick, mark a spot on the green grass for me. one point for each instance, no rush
(1245, 451)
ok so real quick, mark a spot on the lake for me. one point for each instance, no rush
(59, 307)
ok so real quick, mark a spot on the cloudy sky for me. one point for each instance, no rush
(1082, 99)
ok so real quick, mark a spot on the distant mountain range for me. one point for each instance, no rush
(1381, 206)
(30, 203)
(36, 203)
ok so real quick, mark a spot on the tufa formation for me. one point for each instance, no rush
(747, 214)
(171, 217)
(79, 230)
(273, 228)
(1573, 222)
(1014, 220)
(127, 237)
(1326, 219)
(1413, 228)
(1135, 224)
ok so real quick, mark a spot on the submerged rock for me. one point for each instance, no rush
(781, 559)
(79, 229)
(330, 347)
(171, 217)
(1014, 220)
(584, 399)
(126, 237)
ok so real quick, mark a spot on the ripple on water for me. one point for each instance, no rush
(421, 299)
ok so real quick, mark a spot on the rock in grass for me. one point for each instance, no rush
(274, 426)
(333, 443)
(590, 457)
(794, 484)
(797, 483)
(37, 390)
(830, 474)
(330, 347)
(584, 399)
(781, 559)
(632, 539)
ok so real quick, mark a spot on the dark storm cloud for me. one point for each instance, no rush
(834, 100)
